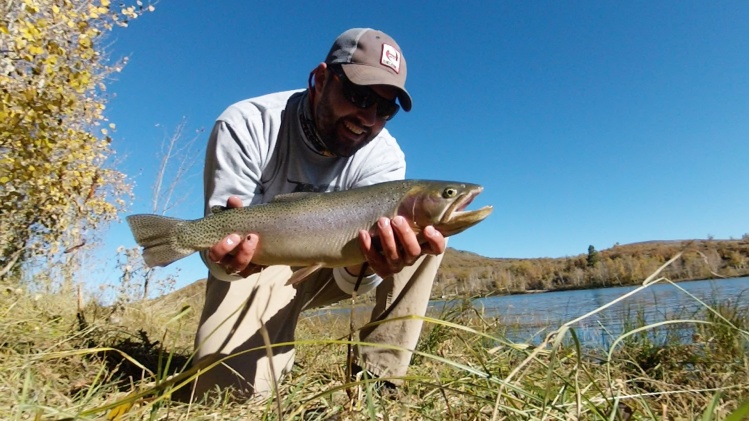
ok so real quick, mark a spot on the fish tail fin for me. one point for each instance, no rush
(158, 237)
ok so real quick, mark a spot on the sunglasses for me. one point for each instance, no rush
(364, 97)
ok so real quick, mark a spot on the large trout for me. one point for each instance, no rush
(313, 229)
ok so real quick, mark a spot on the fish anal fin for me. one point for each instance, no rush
(301, 274)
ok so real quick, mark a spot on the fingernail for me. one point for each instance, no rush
(384, 222)
(397, 220)
(429, 231)
(229, 241)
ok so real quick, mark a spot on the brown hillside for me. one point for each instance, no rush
(468, 274)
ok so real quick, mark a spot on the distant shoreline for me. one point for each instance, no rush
(581, 288)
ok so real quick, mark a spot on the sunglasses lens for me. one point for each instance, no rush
(363, 97)
(387, 109)
(360, 98)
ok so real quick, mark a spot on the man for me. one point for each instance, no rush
(328, 137)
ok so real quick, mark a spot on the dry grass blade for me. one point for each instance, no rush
(465, 368)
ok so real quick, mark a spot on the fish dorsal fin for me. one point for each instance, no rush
(218, 209)
(291, 197)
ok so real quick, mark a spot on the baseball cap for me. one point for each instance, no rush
(371, 57)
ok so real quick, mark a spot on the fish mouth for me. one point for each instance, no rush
(457, 219)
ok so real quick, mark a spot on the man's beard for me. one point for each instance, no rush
(328, 127)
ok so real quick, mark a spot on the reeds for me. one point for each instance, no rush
(61, 362)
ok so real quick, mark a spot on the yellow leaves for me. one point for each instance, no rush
(129, 12)
(35, 50)
(4, 106)
(29, 94)
(29, 116)
(94, 12)
(51, 116)
(79, 81)
(29, 31)
(51, 60)
(84, 42)
(31, 6)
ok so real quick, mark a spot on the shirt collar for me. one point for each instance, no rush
(311, 137)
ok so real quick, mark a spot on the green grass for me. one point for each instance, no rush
(57, 363)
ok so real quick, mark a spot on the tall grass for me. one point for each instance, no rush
(61, 362)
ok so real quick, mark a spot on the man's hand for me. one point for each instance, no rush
(399, 246)
(234, 253)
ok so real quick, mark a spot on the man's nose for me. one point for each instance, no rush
(368, 116)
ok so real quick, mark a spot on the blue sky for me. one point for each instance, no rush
(587, 122)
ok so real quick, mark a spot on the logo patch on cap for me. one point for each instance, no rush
(391, 57)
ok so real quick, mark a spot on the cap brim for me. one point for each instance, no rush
(368, 75)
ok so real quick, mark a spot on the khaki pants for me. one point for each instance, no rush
(233, 312)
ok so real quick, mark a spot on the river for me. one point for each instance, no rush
(530, 317)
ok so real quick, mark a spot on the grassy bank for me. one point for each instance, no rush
(57, 362)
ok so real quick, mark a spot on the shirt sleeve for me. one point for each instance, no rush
(233, 167)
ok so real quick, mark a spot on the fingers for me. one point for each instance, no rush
(240, 262)
(436, 243)
(400, 245)
(234, 202)
(409, 249)
(233, 252)
(387, 239)
(377, 262)
(220, 250)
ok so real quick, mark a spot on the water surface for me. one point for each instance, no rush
(535, 315)
(529, 318)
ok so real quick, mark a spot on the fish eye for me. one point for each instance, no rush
(449, 192)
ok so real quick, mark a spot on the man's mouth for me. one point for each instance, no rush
(353, 128)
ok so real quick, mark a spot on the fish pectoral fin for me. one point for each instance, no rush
(301, 274)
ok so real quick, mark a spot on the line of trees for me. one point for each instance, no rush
(465, 274)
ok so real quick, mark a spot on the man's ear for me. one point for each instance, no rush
(319, 77)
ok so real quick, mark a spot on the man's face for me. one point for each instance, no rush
(344, 127)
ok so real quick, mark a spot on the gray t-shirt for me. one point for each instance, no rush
(258, 149)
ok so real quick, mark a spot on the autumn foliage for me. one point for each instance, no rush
(467, 274)
(55, 182)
